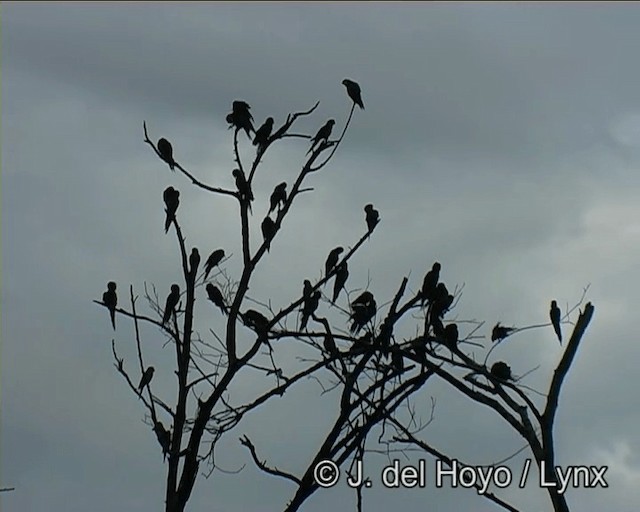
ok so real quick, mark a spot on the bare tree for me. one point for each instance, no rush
(374, 375)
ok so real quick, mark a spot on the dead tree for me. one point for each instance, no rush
(373, 373)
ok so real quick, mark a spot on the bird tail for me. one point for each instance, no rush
(113, 318)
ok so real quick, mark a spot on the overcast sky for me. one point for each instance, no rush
(502, 140)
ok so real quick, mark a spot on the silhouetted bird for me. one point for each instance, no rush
(442, 301)
(172, 201)
(332, 260)
(215, 296)
(363, 309)
(371, 216)
(322, 135)
(166, 152)
(555, 314)
(172, 301)
(146, 378)
(214, 259)
(451, 335)
(307, 289)
(429, 283)
(353, 90)
(342, 274)
(263, 133)
(330, 344)
(268, 230)
(194, 261)
(278, 196)
(164, 438)
(243, 186)
(110, 299)
(500, 332)
(241, 118)
(397, 360)
(309, 307)
(256, 321)
(501, 370)
(363, 299)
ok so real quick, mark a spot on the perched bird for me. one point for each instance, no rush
(166, 152)
(215, 296)
(363, 309)
(500, 332)
(309, 307)
(279, 196)
(194, 261)
(263, 133)
(322, 135)
(330, 344)
(397, 360)
(256, 321)
(332, 260)
(243, 186)
(307, 289)
(241, 118)
(362, 300)
(429, 283)
(110, 299)
(172, 301)
(172, 201)
(146, 378)
(442, 301)
(164, 438)
(268, 230)
(451, 336)
(555, 314)
(214, 259)
(353, 90)
(501, 370)
(371, 216)
(342, 274)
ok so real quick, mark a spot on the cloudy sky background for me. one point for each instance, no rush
(502, 140)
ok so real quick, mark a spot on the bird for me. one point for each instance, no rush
(342, 274)
(146, 378)
(279, 196)
(214, 259)
(500, 332)
(397, 360)
(166, 152)
(268, 230)
(110, 299)
(441, 302)
(194, 261)
(363, 309)
(429, 283)
(353, 90)
(307, 289)
(164, 437)
(451, 336)
(263, 133)
(172, 201)
(501, 370)
(172, 302)
(371, 216)
(256, 321)
(241, 118)
(329, 344)
(309, 307)
(332, 260)
(322, 135)
(363, 299)
(242, 185)
(215, 295)
(555, 314)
